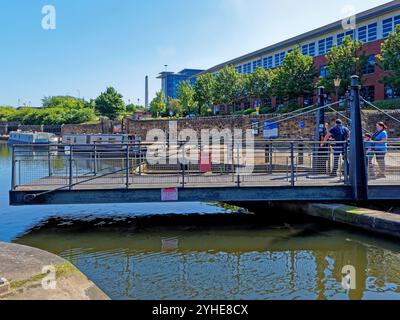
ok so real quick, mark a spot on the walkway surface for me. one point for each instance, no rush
(21, 271)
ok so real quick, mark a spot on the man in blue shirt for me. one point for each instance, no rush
(340, 134)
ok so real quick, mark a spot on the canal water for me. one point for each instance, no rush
(143, 252)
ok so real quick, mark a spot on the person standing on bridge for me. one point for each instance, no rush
(380, 139)
(341, 135)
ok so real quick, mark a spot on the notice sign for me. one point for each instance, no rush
(205, 162)
(271, 130)
(169, 194)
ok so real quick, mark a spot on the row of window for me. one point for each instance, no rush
(365, 34)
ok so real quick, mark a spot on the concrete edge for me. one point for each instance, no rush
(372, 220)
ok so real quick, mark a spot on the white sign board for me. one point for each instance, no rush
(169, 194)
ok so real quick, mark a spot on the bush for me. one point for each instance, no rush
(386, 104)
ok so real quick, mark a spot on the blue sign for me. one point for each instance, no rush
(271, 130)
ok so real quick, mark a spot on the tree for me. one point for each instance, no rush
(343, 62)
(389, 60)
(257, 85)
(110, 104)
(174, 107)
(186, 98)
(204, 93)
(295, 78)
(227, 86)
(157, 105)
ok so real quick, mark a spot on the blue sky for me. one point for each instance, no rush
(100, 43)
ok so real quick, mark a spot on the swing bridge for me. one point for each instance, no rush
(265, 170)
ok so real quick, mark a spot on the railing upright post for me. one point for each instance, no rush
(292, 170)
(95, 159)
(127, 167)
(49, 160)
(238, 165)
(70, 168)
(14, 173)
(346, 161)
(358, 172)
(183, 166)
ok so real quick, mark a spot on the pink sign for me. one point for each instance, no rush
(205, 162)
(170, 194)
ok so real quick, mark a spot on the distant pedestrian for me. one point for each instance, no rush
(341, 135)
(380, 146)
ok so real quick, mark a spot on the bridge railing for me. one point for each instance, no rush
(154, 165)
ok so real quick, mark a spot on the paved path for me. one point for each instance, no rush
(22, 267)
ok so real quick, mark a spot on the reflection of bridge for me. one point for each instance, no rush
(230, 171)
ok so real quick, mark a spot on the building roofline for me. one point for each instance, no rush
(365, 15)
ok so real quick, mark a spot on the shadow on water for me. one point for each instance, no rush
(237, 256)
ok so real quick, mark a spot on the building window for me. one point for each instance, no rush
(282, 56)
(256, 64)
(372, 32)
(350, 34)
(368, 93)
(340, 38)
(304, 50)
(279, 57)
(387, 26)
(321, 47)
(369, 67)
(391, 93)
(362, 34)
(247, 68)
(268, 62)
(311, 49)
(277, 60)
(324, 72)
(239, 69)
(396, 21)
(329, 44)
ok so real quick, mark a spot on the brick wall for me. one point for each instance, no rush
(299, 128)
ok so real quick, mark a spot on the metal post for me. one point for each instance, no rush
(358, 172)
(95, 159)
(292, 175)
(238, 166)
(319, 132)
(13, 176)
(346, 161)
(140, 158)
(49, 160)
(183, 166)
(127, 167)
(70, 167)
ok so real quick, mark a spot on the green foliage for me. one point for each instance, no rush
(389, 59)
(110, 104)
(174, 107)
(295, 78)
(343, 62)
(204, 93)
(186, 95)
(257, 85)
(157, 105)
(56, 110)
(387, 104)
(228, 86)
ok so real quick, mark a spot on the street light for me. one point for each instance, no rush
(337, 83)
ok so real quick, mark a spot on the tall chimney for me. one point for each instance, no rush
(146, 102)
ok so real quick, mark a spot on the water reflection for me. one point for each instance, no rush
(275, 262)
